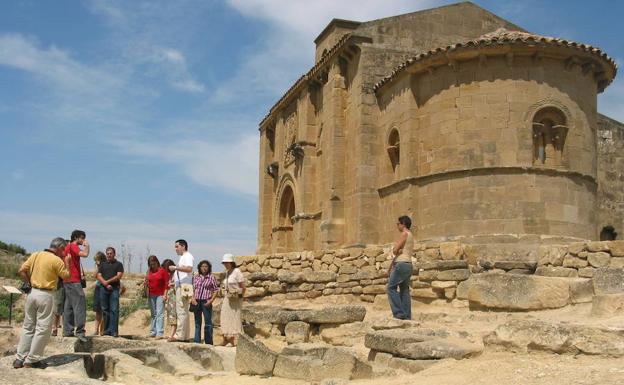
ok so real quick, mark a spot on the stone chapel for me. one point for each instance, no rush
(454, 116)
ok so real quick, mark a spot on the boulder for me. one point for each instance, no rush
(410, 366)
(271, 314)
(617, 248)
(253, 357)
(321, 276)
(345, 334)
(253, 291)
(439, 348)
(511, 265)
(607, 305)
(598, 259)
(608, 281)
(598, 246)
(333, 315)
(451, 251)
(529, 335)
(576, 247)
(581, 290)
(550, 255)
(417, 344)
(393, 340)
(297, 331)
(441, 285)
(586, 272)
(556, 271)
(574, 262)
(314, 362)
(289, 277)
(443, 265)
(617, 262)
(297, 367)
(453, 275)
(262, 276)
(514, 292)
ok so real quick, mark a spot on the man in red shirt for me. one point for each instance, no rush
(75, 310)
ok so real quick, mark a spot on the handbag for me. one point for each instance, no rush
(193, 307)
(185, 288)
(26, 286)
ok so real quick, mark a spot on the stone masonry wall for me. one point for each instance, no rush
(611, 174)
(438, 268)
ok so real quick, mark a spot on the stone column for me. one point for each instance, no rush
(332, 222)
(265, 197)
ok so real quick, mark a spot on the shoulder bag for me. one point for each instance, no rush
(195, 307)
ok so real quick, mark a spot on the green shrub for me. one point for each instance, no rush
(18, 313)
(9, 270)
(13, 248)
(136, 304)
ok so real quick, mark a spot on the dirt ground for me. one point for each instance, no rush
(491, 367)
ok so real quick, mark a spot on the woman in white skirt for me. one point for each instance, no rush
(233, 291)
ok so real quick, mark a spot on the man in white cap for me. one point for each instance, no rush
(183, 276)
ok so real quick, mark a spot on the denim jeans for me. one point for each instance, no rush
(399, 290)
(207, 312)
(110, 310)
(157, 311)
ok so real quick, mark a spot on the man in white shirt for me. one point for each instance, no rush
(183, 276)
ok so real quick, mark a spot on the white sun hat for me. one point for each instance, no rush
(228, 258)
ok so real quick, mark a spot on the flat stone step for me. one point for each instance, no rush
(527, 335)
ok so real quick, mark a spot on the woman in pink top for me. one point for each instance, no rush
(205, 288)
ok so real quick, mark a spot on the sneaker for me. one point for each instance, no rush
(35, 365)
(82, 339)
(17, 364)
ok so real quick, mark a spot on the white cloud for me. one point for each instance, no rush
(231, 165)
(51, 64)
(288, 49)
(174, 56)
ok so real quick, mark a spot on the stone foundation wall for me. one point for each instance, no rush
(438, 268)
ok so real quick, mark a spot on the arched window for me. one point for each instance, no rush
(286, 221)
(394, 148)
(608, 234)
(549, 134)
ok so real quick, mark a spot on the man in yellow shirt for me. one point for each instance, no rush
(42, 270)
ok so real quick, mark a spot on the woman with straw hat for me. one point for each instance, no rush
(233, 291)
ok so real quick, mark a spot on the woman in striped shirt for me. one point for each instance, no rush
(204, 292)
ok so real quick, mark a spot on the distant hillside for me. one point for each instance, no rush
(11, 258)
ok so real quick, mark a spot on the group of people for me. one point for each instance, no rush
(54, 281)
(175, 291)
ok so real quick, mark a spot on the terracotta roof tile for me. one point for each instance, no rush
(501, 36)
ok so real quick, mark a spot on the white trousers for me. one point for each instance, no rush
(182, 310)
(37, 327)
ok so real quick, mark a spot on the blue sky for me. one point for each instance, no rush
(137, 120)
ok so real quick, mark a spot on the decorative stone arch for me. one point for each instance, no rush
(608, 233)
(284, 212)
(549, 121)
(393, 147)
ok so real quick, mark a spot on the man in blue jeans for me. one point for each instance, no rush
(109, 275)
(400, 274)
